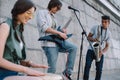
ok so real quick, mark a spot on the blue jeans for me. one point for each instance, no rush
(52, 55)
(5, 73)
(99, 65)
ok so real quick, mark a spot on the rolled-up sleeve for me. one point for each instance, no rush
(93, 29)
(41, 21)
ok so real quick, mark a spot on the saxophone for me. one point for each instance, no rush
(97, 46)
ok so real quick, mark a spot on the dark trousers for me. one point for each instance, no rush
(99, 65)
(5, 73)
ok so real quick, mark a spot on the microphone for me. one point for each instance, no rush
(69, 7)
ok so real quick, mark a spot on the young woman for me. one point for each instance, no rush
(12, 46)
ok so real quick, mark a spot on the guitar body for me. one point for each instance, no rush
(56, 38)
(59, 29)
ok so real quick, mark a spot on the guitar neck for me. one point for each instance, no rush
(67, 23)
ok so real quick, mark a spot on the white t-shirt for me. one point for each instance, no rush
(104, 35)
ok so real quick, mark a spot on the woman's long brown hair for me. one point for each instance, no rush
(20, 7)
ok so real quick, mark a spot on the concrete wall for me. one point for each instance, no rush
(90, 14)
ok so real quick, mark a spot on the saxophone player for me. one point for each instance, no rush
(101, 34)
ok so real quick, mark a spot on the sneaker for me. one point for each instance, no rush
(66, 76)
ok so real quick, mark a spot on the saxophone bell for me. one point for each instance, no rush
(96, 47)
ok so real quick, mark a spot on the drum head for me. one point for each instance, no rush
(50, 76)
(22, 78)
(47, 77)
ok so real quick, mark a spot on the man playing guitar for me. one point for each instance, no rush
(46, 24)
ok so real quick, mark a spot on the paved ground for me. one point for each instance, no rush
(111, 75)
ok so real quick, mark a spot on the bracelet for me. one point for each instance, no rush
(28, 64)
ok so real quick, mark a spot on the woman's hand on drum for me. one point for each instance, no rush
(34, 65)
(42, 66)
(31, 72)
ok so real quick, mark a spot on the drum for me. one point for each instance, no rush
(50, 76)
(22, 78)
(47, 77)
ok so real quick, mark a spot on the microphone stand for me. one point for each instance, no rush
(81, 47)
